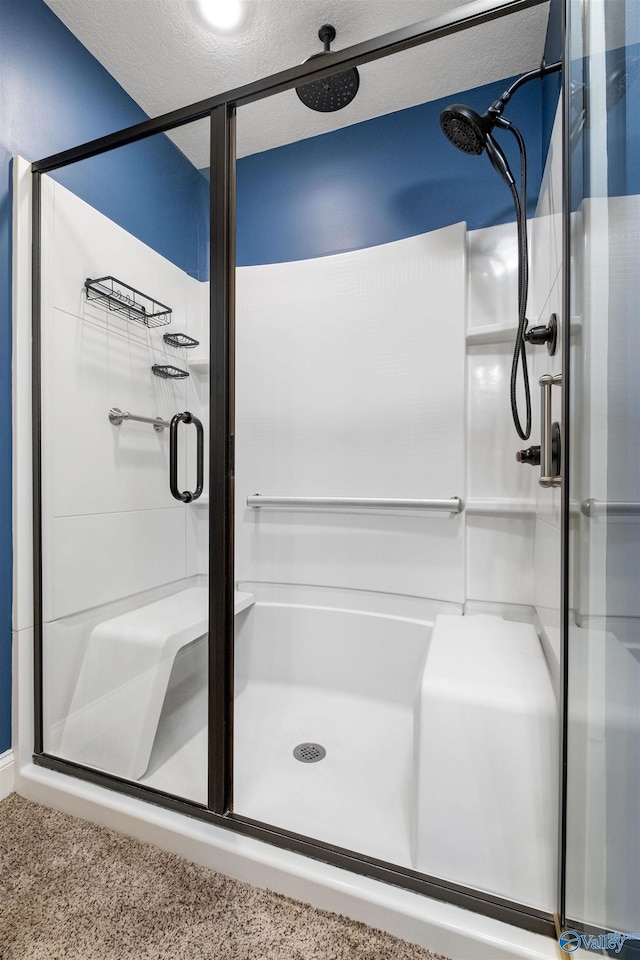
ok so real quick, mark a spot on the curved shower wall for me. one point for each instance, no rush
(350, 382)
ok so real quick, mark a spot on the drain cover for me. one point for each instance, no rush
(309, 752)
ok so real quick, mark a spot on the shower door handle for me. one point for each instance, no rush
(550, 452)
(186, 496)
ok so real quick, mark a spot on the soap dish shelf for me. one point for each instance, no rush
(127, 301)
(169, 372)
(180, 340)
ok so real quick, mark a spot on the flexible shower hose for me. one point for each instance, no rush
(519, 350)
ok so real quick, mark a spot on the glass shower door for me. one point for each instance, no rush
(602, 890)
(123, 364)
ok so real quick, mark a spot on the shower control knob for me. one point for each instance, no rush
(531, 456)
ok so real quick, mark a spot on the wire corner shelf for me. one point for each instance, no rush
(127, 301)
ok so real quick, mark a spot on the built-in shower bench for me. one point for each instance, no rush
(123, 680)
(487, 759)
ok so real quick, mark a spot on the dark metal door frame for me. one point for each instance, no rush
(221, 466)
(221, 111)
(564, 493)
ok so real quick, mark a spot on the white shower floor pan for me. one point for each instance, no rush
(356, 797)
(340, 670)
(345, 679)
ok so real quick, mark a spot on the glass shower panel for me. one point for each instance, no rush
(603, 760)
(124, 355)
(337, 562)
(358, 340)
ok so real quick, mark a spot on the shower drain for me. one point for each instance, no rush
(309, 752)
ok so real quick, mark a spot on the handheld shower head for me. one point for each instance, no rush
(499, 161)
(465, 128)
(471, 133)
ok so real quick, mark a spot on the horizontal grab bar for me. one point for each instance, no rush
(500, 507)
(453, 505)
(116, 417)
(600, 508)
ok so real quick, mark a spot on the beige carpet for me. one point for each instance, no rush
(72, 891)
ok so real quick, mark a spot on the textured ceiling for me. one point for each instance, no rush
(165, 57)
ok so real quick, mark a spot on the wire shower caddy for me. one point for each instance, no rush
(127, 301)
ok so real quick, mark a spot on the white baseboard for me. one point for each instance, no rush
(6, 774)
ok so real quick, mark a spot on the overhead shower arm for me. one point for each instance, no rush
(327, 34)
(498, 106)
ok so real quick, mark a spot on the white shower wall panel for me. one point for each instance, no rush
(606, 375)
(350, 383)
(92, 465)
(493, 276)
(98, 558)
(110, 524)
(546, 248)
(545, 298)
(493, 469)
(547, 594)
(500, 560)
(80, 242)
(547, 539)
(499, 548)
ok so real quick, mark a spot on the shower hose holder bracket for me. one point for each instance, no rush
(545, 334)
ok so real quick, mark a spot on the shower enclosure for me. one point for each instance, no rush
(289, 575)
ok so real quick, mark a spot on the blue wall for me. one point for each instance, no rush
(155, 193)
(388, 178)
(55, 95)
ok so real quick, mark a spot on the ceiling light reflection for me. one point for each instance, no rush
(223, 16)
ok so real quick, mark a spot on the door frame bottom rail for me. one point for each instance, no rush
(496, 908)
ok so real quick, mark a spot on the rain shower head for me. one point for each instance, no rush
(330, 93)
